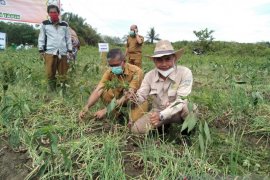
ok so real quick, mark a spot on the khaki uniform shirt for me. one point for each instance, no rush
(166, 94)
(134, 48)
(132, 77)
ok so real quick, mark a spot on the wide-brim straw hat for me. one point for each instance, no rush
(163, 48)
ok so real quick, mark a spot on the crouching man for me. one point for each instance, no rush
(128, 78)
(167, 85)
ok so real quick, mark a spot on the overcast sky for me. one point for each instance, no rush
(232, 20)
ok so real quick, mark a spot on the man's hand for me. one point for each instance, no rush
(131, 95)
(83, 112)
(121, 101)
(70, 56)
(101, 113)
(41, 56)
(155, 118)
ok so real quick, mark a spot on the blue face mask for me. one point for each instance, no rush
(132, 33)
(117, 70)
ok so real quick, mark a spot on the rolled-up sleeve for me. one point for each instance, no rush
(144, 90)
(183, 90)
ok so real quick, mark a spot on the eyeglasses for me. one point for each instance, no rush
(115, 65)
(166, 58)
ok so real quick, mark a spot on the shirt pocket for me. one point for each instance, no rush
(154, 96)
(153, 92)
(172, 95)
(62, 30)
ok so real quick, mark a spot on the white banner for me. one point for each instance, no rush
(103, 47)
(2, 40)
(32, 11)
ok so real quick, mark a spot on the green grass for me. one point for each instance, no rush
(232, 93)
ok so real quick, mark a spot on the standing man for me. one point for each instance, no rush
(126, 77)
(54, 43)
(134, 47)
(167, 85)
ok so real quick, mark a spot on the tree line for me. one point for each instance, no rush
(21, 33)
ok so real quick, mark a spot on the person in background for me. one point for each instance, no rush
(54, 44)
(168, 85)
(75, 44)
(134, 47)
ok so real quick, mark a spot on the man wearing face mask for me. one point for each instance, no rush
(121, 72)
(54, 43)
(134, 47)
(167, 85)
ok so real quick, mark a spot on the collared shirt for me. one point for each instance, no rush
(54, 38)
(166, 94)
(132, 77)
(134, 48)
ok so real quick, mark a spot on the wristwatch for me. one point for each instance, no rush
(161, 117)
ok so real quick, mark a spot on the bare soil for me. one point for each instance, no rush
(13, 165)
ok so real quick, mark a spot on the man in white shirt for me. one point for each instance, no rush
(167, 85)
(54, 43)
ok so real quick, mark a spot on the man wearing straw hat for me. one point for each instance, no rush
(167, 85)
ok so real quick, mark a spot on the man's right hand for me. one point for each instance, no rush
(131, 96)
(136, 31)
(41, 55)
(155, 118)
(82, 113)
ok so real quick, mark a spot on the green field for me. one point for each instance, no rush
(41, 136)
